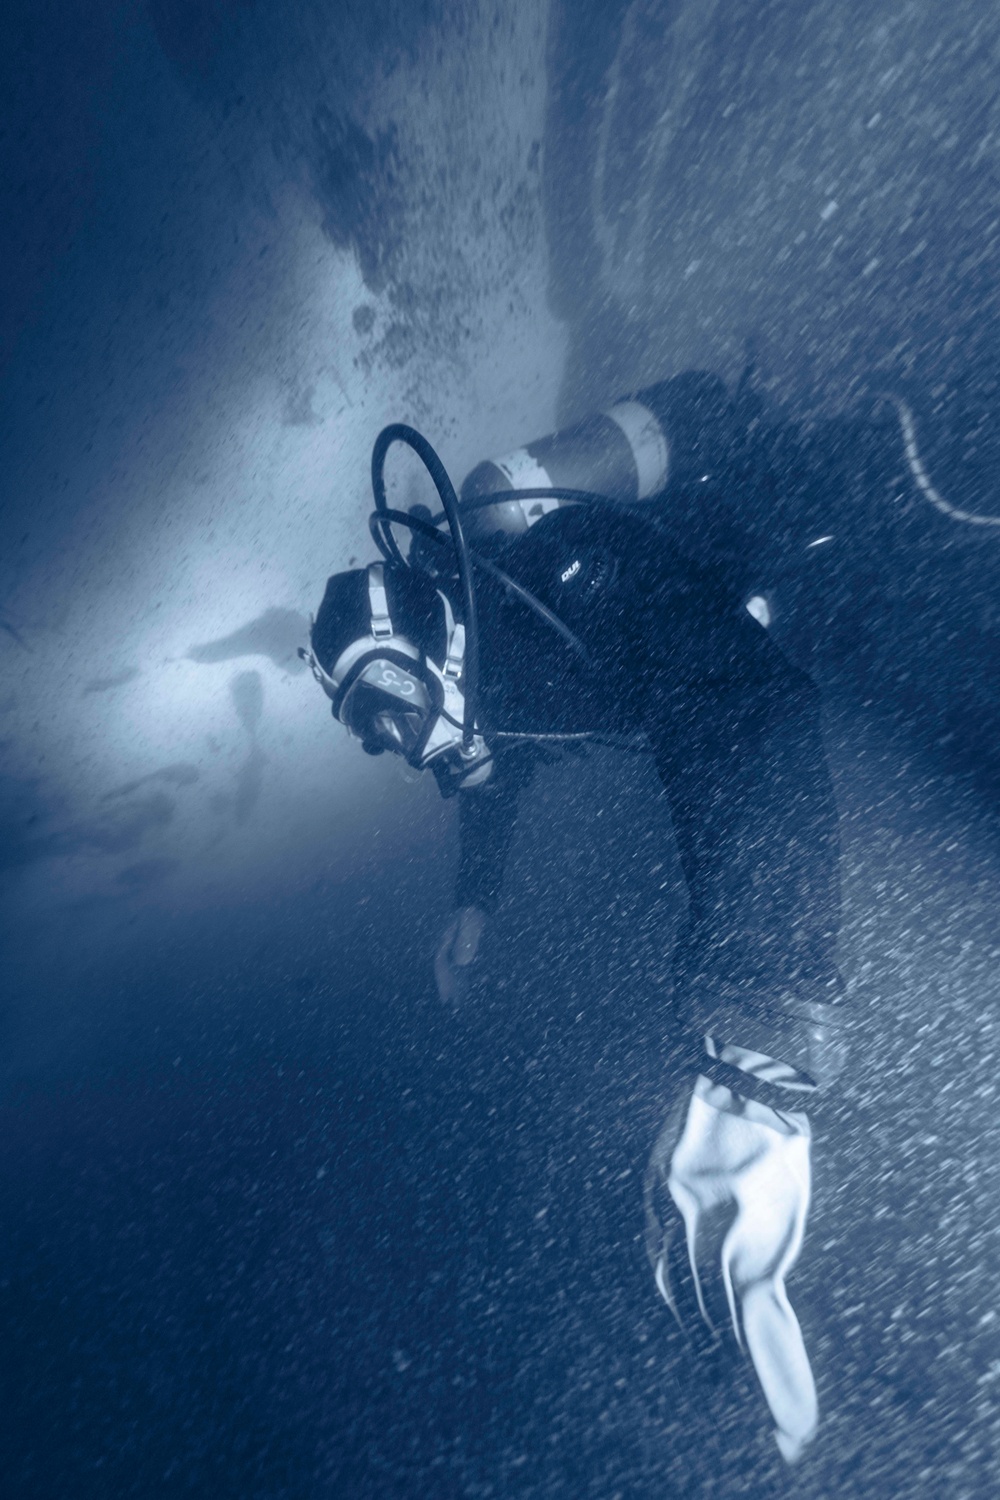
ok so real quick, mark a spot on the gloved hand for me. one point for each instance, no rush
(733, 1175)
(456, 953)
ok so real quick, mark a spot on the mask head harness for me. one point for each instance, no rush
(384, 687)
(392, 695)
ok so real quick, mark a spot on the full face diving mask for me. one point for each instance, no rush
(393, 696)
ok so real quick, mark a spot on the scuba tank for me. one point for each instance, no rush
(679, 432)
(806, 527)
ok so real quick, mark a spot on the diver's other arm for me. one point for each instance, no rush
(487, 816)
(732, 1177)
(756, 984)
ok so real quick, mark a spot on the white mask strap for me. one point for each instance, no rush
(378, 603)
(454, 659)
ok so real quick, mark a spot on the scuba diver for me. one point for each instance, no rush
(591, 620)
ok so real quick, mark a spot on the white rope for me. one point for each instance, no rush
(921, 478)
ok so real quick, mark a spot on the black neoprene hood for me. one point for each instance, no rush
(344, 615)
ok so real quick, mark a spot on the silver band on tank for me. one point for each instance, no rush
(622, 453)
(648, 442)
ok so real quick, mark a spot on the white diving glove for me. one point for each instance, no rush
(738, 1179)
(456, 953)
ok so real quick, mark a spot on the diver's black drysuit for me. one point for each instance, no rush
(674, 655)
(735, 731)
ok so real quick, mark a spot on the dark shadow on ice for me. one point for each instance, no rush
(247, 693)
(181, 774)
(23, 809)
(276, 634)
(356, 179)
(24, 837)
(108, 684)
(121, 830)
(249, 781)
(15, 635)
(298, 408)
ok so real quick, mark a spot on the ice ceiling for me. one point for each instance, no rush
(226, 312)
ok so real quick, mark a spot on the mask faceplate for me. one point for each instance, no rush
(393, 696)
(388, 707)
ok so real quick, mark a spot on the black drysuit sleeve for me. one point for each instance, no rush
(744, 768)
(487, 816)
(736, 733)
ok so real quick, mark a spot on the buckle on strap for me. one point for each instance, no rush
(456, 654)
(378, 603)
(326, 682)
(455, 649)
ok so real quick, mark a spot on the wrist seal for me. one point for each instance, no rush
(812, 1036)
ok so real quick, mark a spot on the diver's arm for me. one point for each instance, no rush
(727, 1192)
(743, 764)
(487, 815)
(729, 1182)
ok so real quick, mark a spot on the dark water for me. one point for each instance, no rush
(273, 1224)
